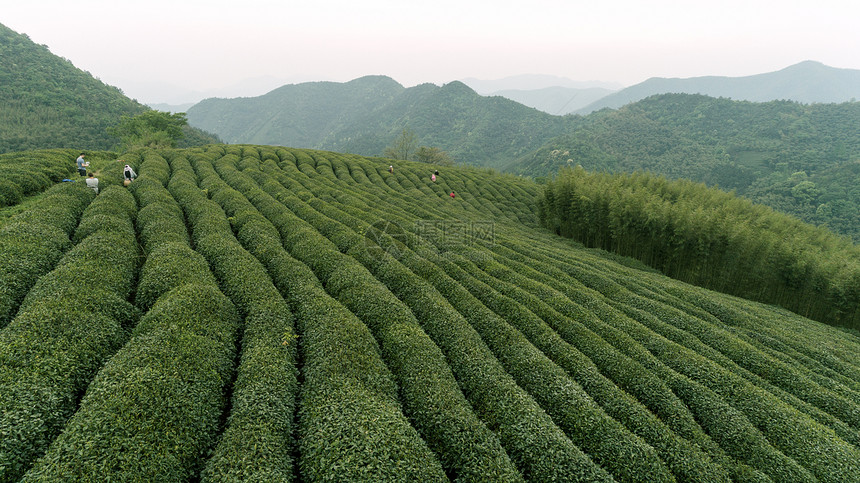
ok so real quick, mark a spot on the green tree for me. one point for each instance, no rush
(432, 155)
(153, 129)
(805, 192)
(404, 145)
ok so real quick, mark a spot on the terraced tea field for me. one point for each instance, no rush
(251, 313)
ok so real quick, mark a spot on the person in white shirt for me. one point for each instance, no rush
(129, 173)
(93, 183)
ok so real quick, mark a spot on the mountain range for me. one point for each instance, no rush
(807, 82)
(798, 155)
(364, 115)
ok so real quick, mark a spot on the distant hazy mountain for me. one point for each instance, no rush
(530, 82)
(807, 82)
(365, 115)
(555, 100)
(171, 107)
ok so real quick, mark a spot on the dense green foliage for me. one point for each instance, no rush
(309, 316)
(46, 102)
(151, 129)
(156, 380)
(69, 324)
(709, 238)
(798, 159)
(31, 242)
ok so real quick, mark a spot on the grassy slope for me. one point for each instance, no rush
(473, 319)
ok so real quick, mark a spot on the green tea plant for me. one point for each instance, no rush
(264, 393)
(343, 372)
(72, 320)
(309, 316)
(33, 241)
(418, 365)
(30, 172)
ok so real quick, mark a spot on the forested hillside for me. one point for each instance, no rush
(799, 159)
(293, 115)
(365, 115)
(46, 102)
(269, 314)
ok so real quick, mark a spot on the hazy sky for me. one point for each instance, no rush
(205, 45)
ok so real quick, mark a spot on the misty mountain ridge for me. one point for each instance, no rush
(531, 82)
(557, 101)
(807, 82)
(362, 116)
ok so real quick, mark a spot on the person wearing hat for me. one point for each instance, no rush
(128, 174)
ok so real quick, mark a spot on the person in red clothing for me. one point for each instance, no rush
(452, 194)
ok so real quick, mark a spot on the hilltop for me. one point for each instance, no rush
(300, 315)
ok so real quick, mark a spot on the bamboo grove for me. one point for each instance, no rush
(254, 313)
(709, 238)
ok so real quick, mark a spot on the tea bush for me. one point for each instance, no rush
(71, 321)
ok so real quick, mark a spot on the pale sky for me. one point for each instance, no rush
(205, 45)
